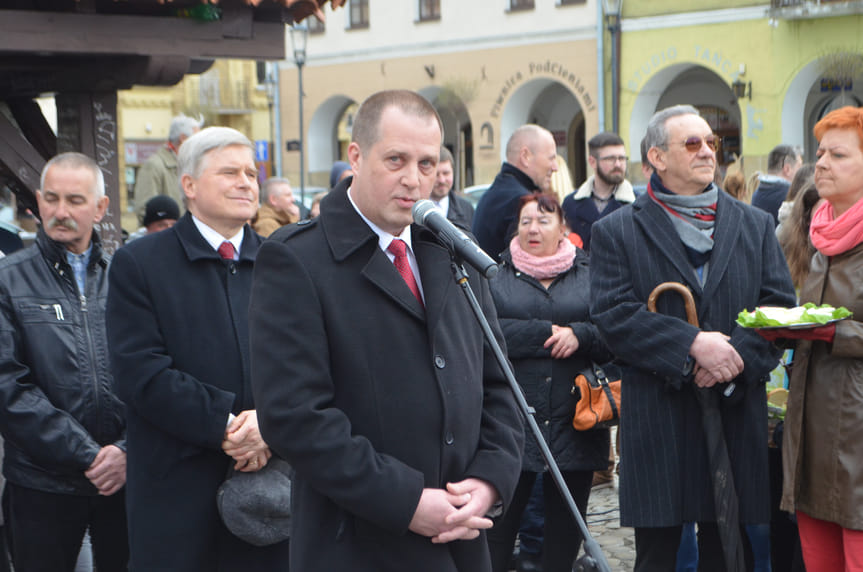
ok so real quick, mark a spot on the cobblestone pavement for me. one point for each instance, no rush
(603, 522)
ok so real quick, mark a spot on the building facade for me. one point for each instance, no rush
(792, 61)
(231, 93)
(488, 67)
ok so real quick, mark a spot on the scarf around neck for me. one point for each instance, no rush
(693, 217)
(543, 267)
(832, 236)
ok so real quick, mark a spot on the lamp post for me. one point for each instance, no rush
(299, 37)
(613, 9)
(274, 105)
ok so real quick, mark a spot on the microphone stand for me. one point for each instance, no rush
(595, 559)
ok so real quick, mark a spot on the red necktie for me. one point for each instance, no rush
(226, 250)
(399, 249)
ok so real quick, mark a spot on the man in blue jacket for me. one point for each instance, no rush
(531, 158)
(63, 426)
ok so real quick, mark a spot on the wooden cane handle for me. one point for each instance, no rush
(688, 300)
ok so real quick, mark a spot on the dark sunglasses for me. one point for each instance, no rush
(693, 144)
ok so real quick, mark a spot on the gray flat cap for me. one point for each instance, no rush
(256, 507)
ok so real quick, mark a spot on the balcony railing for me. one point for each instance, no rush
(804, 9)
(219, 95)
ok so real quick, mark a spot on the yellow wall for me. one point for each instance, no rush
(771, 56)
(145, 112)
(641, 8)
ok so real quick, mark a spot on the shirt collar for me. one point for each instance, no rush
(84, 256)
(443, 204)
(215, 239)
(384, 238)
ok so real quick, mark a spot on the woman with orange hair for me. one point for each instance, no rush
(823, 442)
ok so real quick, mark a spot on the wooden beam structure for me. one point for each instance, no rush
(83, 51)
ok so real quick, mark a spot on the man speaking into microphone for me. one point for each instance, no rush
(370, 374)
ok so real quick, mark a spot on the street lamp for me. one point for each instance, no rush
(613, 9)
(274, 105)
(299, 38)
(741, 89)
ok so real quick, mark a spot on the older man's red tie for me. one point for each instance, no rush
(226, 250)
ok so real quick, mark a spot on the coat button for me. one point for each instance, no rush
(233, 268)
(548, 379)
(439, 362)
(449, 438)
(545, 422)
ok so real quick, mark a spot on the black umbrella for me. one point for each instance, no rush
(724, 494)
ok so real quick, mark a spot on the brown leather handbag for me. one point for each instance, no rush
(598, 404)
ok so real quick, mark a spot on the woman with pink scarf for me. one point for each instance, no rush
(823, 442)
(542, 296)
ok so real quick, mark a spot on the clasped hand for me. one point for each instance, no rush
(562, 341)
(455, 513)
(243, 442)
(716, 360)
(107, 472)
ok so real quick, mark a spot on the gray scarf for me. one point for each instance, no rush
(693, 217)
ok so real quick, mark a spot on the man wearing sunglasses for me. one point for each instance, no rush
(684, 229)
(604, 192)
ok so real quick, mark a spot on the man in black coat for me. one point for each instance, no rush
(783, 162)
(531, 159)
(178, 325)
(457, 209)
(684, 229)
(63, 426)
(370, 374)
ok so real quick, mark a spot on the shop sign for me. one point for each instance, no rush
(543, 69)
(829, 84)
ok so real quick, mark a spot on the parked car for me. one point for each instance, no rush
(474, 192)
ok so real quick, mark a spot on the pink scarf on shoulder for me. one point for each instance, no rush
(835, 236)
(543, 267)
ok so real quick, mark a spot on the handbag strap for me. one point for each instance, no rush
(603, 382)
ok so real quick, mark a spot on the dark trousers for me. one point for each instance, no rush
(562, 538)
(532, 521)
(656, 548)
(46, 529)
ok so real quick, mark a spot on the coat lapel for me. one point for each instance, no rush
(383, 274)
(348, 235)
(729, 217)
(435, 271)
(660, 231)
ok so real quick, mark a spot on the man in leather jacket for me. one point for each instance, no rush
(64, 429)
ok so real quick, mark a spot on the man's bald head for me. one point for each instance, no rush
(532, 150)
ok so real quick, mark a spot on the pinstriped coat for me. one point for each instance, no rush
(664, 473)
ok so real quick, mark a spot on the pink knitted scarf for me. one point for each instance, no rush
(835, 236)
(542, 267)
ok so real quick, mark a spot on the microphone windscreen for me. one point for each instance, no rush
(421, 210)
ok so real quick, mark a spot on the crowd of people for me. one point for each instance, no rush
(235, 329)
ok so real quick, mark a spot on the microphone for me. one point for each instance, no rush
(428, 215)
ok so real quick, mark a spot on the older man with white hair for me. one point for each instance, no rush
(277, 207)
(178, 323)
(158, 174)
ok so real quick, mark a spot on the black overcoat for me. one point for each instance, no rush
(370, 397)
(664, 477)
(460, 210)
(526, 311)
(178, 335)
